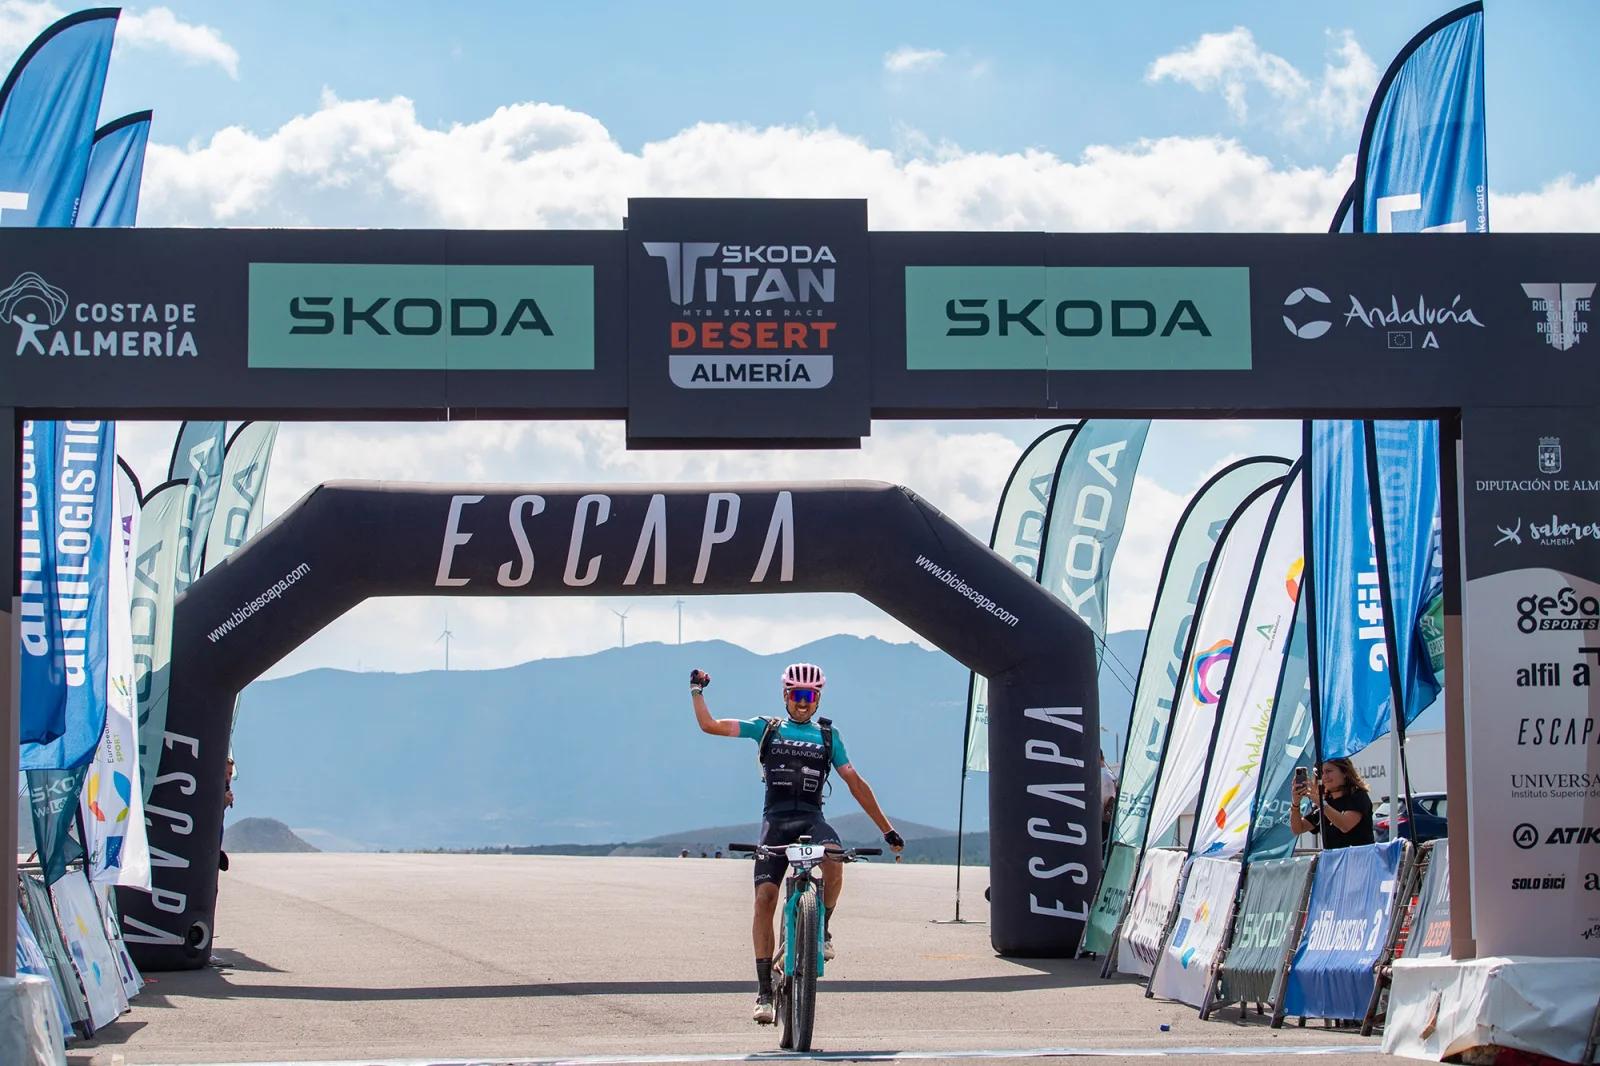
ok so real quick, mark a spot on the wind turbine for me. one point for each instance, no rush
(622, 620)
(680, 621)
(445, 636)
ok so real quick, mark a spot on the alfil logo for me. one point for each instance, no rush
(1210, 669)
(1561, 304)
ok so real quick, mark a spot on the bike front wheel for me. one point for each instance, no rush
(802, 998)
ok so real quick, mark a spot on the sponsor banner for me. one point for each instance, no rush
(35, 900)
(1267, 928)
(1089, 505)
(1183, 578)
(1111, 899)
(111, 804)
(1017, 536)
(84, 933)
(1430, 925)
(389, 316)
(242, 495)
(1239, 745)
(1289, 745)
(31, 959)
(155, 575)
(67, 513)
(116, 171)
(132, 980)
(1077, 318)
(1347, 927)
(197, 458)
(53, 802)
(1406, 456)
(1189, 958)
(50, 103)
(1352, 650)
(1155, 890)
(1423, 164)
(1200, 685)
(1532, 647)
(748, 319)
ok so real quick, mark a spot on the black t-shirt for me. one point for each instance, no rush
(1354, 799)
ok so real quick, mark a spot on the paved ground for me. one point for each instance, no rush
(350, 957)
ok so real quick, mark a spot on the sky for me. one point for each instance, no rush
(1240, 116)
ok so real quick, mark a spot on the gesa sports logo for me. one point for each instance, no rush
(1566, 610)
(753, 315)
(37, 308)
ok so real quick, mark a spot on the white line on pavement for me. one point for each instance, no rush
(865, 1056)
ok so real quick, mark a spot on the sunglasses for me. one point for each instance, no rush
(804, 695)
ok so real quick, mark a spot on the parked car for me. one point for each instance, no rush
(1426, 820)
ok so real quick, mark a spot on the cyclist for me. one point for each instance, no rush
(795, 763)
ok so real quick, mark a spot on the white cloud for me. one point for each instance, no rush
(1232, 63)
(158, 27)
(906, 59)
(540, 165)
(23, 20)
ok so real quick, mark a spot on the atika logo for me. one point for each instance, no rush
(39, 309)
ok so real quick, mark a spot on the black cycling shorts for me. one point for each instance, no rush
(787, 827)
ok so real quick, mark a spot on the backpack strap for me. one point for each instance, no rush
(826, 725)
(767, 734)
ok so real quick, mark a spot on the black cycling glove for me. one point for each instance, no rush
(893, 839)
(698, 679)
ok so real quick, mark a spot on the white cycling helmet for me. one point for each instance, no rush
(803, 675)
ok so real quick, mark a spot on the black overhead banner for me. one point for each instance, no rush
(745, 321)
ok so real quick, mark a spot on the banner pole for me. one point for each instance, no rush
(10, 702)
(1401, 786)
(1313, 667)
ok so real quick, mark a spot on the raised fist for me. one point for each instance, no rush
(699, 679)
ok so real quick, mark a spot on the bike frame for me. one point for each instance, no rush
(796, 884)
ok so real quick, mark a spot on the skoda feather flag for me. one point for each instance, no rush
(116, 171)
(1423, 162)
(48, 109)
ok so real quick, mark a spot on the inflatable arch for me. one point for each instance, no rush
(346, 541)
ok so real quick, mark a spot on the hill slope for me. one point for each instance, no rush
(262, 835)
(590, 749)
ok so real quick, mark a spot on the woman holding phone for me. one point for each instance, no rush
(1341, 807)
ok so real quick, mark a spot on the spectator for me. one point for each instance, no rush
(1108, 804)
(1341, 807)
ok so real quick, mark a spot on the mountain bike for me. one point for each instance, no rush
(794, 984)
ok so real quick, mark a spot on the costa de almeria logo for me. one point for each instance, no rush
(50, 324)
(24, 301)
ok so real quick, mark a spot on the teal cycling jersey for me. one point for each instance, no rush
(792, 763)
(803, 733)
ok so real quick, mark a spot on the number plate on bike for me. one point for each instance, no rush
(804, 852)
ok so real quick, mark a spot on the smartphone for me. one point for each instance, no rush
(1302, 776)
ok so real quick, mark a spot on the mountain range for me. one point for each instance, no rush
(598, 748)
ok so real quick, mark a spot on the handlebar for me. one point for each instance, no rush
(777, 851)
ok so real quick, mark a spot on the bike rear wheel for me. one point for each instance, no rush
(802, 998)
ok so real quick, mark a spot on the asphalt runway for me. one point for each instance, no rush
(445, 958)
